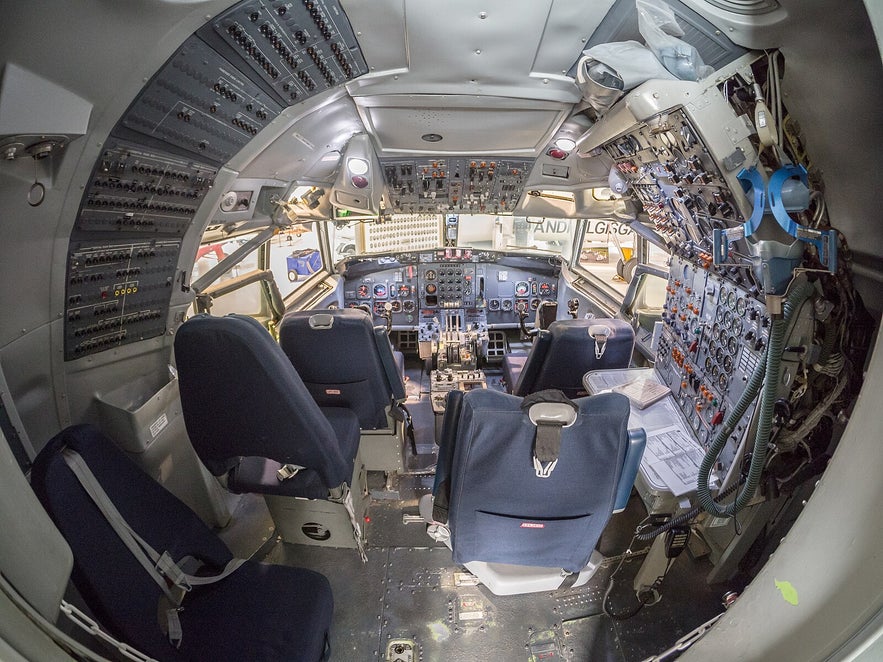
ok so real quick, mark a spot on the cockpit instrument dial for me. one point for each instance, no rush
(396, 306)
(363, 291)
(522, 288)
(430, 274)
(545, 289)
(380, 290)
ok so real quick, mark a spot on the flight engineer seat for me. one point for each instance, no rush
(567, 350)
(525, 486)
(254, 612)
(345, 361)
(255, 425)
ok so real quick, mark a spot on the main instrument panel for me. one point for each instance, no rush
(421, 286)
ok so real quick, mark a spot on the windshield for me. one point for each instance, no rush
(412, 232)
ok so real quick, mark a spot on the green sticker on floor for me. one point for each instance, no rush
(788, 591)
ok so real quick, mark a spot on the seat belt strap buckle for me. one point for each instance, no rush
(287, 471)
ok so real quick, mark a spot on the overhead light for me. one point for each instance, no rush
(357, 166)
(565, 144)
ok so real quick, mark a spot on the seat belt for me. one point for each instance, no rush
(168, 575)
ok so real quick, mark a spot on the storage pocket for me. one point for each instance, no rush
(529, 541)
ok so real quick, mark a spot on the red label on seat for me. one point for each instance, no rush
(332, 391)
(532, 525)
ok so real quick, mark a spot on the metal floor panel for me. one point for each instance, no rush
(411, 597)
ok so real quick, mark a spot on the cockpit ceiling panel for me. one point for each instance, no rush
(459, 125)
(460, 46)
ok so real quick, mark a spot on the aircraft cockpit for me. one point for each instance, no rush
(338, 329)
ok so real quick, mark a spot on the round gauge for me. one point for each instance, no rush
(722, 382)
(728, 364)
(430, 274)
(732, 345)
(728, 319)
(534, 304)
(380, 290)
(404, 291)
(507, 304)
(396, 306)
(715, 371)
(379, 308)
(493, 304)
(719, 315)
(719, 354)
(363, 292)
(522, 288)
(708, 364)
(736, 327)
(408, 306)
(545, 289)
(731, 299)
(431, 288)
(740, 306)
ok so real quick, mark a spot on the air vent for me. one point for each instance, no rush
(747, 7)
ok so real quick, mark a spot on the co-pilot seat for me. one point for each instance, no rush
(566, 351)
(254, 424)
(345, 361)
(525, 486)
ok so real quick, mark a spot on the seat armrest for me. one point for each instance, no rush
(630, 466)
(533, 365)
(390, 367)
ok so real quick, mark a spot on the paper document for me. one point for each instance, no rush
(674, 457)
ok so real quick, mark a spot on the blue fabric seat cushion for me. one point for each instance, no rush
(260, 612)
(258, 474)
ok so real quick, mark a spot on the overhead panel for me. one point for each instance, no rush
(455, 184)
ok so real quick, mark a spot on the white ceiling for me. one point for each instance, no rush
(488, 78)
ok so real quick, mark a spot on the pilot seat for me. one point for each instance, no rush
(525, 486)
(255, 425)
(567, 350)
(345, 361)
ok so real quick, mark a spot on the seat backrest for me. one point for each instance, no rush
(241, 397)
(344, 361)
(121, 594)
(561, 355)
(502, 511)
